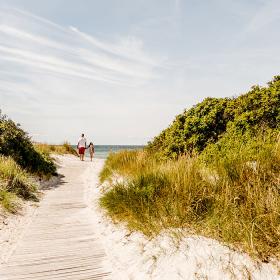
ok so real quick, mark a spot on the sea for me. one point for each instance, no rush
(102, 151)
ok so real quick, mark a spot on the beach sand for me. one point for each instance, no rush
(130, 255)
(12, 228)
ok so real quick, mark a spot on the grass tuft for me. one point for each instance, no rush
(14, 183)
(123, 163)
(9, 201)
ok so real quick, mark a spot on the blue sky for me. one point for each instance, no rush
(120, 71)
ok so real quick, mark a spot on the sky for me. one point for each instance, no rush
(121, 70)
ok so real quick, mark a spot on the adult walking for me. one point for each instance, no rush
(82, 144)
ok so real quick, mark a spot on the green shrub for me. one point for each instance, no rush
(14, 142)
(205, 123)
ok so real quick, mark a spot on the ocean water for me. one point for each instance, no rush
(102, 151)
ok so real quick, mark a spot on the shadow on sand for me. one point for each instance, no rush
(52, 183)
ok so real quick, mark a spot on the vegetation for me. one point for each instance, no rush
(21, 162)
(214, 171)
(14, 183)
(207, 122)
(16, 143)
(47, 149)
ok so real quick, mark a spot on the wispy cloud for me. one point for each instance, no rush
(129, 48)
(51, 75)
(70, 52)
(149, 61)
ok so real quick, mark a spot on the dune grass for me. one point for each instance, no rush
(15, 184)
(229, 192)
(9, 201)
(48, 149)
(123, 163)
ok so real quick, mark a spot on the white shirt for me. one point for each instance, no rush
(82, 142)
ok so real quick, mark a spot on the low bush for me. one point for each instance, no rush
(208, 121)
(15, 142)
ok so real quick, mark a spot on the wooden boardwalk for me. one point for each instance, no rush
(60, 243)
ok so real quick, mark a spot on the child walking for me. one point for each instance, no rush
(91, 150)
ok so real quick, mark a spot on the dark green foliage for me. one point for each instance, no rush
(208, 121)
(15, 142)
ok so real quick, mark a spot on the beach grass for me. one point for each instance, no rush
(123, 163)
(230, 192)
(15, 184)
(9, 201)
(48, 149)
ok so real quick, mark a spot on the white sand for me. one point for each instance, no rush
(12, 228)
(132, 256)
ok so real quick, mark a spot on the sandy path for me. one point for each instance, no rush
(61, 242)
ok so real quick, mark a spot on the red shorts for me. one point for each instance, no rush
(82, 150)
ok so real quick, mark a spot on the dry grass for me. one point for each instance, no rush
(65, 148)
(123, 163)
(231, 195)
(9, 201)
(15, 183)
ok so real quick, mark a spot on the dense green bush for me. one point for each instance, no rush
(208, 121)
(15, 142)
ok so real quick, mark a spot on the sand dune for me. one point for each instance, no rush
(70, 237)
